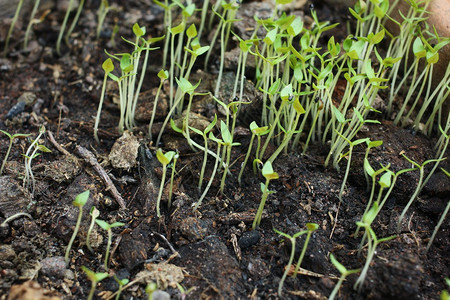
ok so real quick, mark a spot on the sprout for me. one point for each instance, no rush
(11, 140)
(108, 67)
(269, 174)
(94, 278)
(108, 228)
(164, 159)
(94, 215)
(344, 273)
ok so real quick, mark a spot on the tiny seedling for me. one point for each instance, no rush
(11, 28)
(183, 291)
(162, 75)
(80, 201)
(291, 258)
(227, 138)
(344, 273)
(164, 159)
(150, 289)
(15, 216)
(108, 228)
(172, 176)
(103, 10)
(108, 67)
(11, 140)
(269, 174)
(94, 215)
(63, 27)
(122, 282)
(94, 278)
(310, 228)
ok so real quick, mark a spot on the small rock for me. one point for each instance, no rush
(163, 274)
(54, 267)
(124, 151)
(7, 252)
(249, 239)
(258, 268)
(160, 295)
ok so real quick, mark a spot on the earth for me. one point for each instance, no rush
(212, 252)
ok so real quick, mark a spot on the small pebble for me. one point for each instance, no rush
(54, 267)
(160, 295)
(249, 238)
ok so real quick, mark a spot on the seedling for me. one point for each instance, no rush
(122, 282)
(31, 22)
(108, 228)
(269, 174)
(150, 289)
(344, 273)
(63, 27)
(80, 201)
(75, 20)
(15, 216)
(94, 278)
(372, 243)
(441, 219)
(370, 145)
(291, 258)
(11, 28)
(228, 144)
(164, 159)
(11, 140)
(101, 13)
(310, 228)
(108, 67)
(94, 215)
(175, 158)
(162, 75)
(183, 291)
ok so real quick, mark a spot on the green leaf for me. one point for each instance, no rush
(371, 214)
(189, 10)
(211, 125)
(432, 57)
(295, 27)
(312, 226)
(113, 77)
(268, 172)
(163, 75)
(178, 29)
(270, 37)
(185, 85)
(81, 199)
(201, 50)
(103, 224)
(138, 31)
(196, 130)
(298, 106)
(191, 32)
(377, 38)
(226, 135)
(43, 148)
(274, 87)
(94, 212)
(373, 144)
(385, 179)
(418, 48)
(338, 265)
(116, 224)
(286, 92)
(161, 157)
(339, 116)
(282, 2)
(108, 66)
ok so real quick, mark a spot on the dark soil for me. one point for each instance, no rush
(213, 249)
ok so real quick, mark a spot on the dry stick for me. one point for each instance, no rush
(175, 252)
(89, 157)
(56, 144)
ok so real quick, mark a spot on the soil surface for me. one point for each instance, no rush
(212, 250)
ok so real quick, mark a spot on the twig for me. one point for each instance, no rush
(56, 144)
(90, 159)
(168, 243)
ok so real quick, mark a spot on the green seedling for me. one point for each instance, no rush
(162, 75)
(31, 22)
(75, 20)
(443, 149)
(108, 228)
(172, 176)
(372, 243)
(80, 201)
(108, 67)
(310, 228)
(370, 145)
(228, 143)
(204, 134)
(94, 278)
(344, 273)
(15, 216)
(11, 140)
(164, 159)
(269, 174)
(256, 131)
(94, 215)
(122, 282)
(291, 257)
(103, 10)
(150, 289)
(441, 219)
(418, 188)
(11, 28)
(213, 174)
(184, 293)
(63, 27)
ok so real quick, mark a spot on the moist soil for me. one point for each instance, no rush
(212, 250)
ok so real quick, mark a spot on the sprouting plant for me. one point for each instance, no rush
(269, 174)
(418, 188)
(122, 283)
(256, 131)
(13, 217)
(150, 289)
(164, 159)
(441, 219)
(372, 243)
(103, 10)
(310, 228)
(184, 292)
(11, 28)
(344, 273)
(31, 22)
(80, 201)
(11, 140)
(162, 75)
(75, 20)
(108, 228)
(370, 145)
(108, 67)
(63, 27)
(444, 294)
(291, 257)
(94, 215)
(172, 176)
(94, 278)
(32, 153)
(228, 143)
(204, 134)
